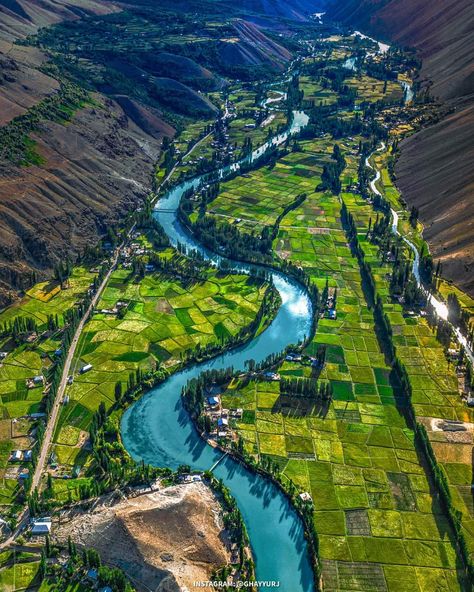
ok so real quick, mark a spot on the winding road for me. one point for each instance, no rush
(439, 306)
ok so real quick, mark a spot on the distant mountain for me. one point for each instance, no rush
(251, 47)
(435, 169)
(293, 10)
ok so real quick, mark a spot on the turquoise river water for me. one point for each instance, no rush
(158, 430)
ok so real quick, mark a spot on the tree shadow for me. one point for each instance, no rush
(295, 406)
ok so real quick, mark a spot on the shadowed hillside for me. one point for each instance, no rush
(96, 86)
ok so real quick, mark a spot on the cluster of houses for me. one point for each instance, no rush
(35, 381)
(190, 478)
(219, 416)
(134, 249)
(331, 308)
(272, 376)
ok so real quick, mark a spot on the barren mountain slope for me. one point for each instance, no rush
(435, 173)
(93, 169)
(253, 48)
(435, 170)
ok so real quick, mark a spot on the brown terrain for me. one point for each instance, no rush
(95, 168)
(254, 48)
(435, 171)
(100, 164)
(164, 541)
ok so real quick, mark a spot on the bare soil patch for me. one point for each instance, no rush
(164, 540)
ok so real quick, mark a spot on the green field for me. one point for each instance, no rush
(25, 360)
(377, 519)
(164, 320)
(18, 571)
(258, 198)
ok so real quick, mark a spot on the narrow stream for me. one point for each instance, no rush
(158, 430)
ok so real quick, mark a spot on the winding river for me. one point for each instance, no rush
(158, 430)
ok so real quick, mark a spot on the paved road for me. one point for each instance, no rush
(440, 307)
(51, 425)
(175, 166)
(24, 517)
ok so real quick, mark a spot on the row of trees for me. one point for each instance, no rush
(306, 387)
(331, 175)
(19, 328)
(400, 377)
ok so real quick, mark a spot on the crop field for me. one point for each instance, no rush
(434, 382)
(18, 571)
(378, 522)
(315, 93)
(30, 359)
(371, 89)
(259, 197)
(164, 320)
(244, 103)
(48, 298)
(27, 360)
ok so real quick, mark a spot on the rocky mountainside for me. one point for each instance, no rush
(84, 174)
(434, 171)
(64, 182)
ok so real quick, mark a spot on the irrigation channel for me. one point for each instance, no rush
(158, 430)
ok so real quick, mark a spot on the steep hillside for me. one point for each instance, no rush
(297, 10)
(183, 69)
(92, 171)
(252, 47)
(435, 173)
(442, 32)
(434, 170)
(83, 175)
(21, 17)
(147, 71)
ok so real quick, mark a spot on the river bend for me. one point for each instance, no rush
(158, 430)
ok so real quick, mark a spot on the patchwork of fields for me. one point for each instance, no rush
(379, 523)
(164, 320)
(27, 360)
